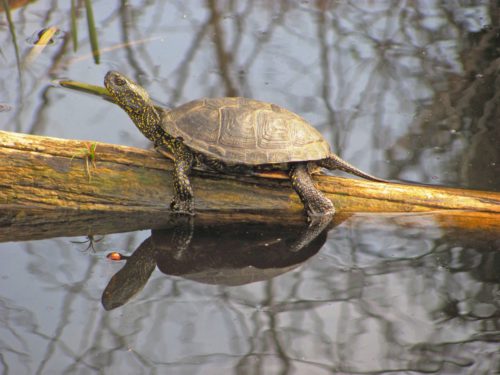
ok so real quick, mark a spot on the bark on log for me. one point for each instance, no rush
(50, 180)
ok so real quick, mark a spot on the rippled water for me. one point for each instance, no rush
(404, 91)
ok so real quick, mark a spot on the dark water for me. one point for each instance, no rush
(401, 90)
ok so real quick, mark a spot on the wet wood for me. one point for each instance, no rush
(46, 181)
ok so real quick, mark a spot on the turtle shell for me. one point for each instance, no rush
(245, 131)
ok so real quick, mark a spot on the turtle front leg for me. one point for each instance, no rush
(315, 203)
(183, 192)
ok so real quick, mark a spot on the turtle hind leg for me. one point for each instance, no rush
(333, 162)
(315, 203)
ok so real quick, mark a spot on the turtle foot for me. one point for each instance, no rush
(319, 211)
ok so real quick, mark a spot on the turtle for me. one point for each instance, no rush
(230, 134)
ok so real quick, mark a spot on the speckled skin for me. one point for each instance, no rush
(225, 133)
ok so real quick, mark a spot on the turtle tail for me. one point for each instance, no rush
(333, 162)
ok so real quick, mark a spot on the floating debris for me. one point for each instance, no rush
(116, 256)
(44, 37)
(40, 40)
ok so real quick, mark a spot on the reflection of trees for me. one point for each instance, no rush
(460, 123)
(411, 302)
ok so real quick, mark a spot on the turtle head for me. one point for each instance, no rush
(134, 100)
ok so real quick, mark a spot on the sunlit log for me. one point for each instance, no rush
(50, 181)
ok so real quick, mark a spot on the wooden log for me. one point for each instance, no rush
(50, 180)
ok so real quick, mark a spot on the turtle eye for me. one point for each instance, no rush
(120, 81)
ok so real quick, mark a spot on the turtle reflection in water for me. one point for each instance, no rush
(232, 135)
(231, 255)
